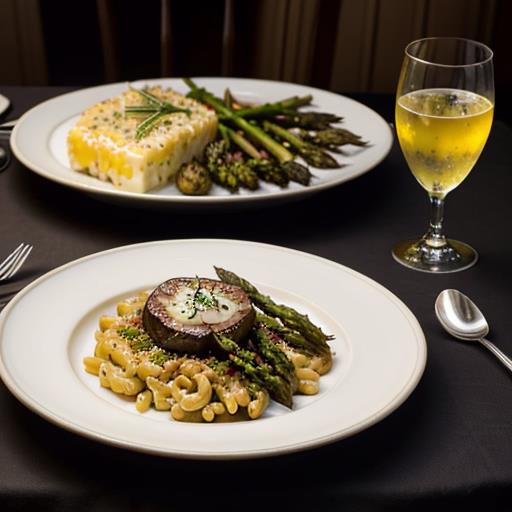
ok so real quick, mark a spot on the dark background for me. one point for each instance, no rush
(196, 29)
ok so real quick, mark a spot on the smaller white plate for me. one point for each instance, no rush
(47, 329)
(39, 141)
(4, 103)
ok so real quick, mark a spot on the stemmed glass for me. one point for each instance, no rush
(444, 111)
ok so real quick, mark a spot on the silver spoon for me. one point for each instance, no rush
(462, 319)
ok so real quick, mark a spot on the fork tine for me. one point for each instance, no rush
(19, 262)
(12, 263)
(7, 262)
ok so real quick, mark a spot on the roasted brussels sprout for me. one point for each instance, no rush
(193, 179)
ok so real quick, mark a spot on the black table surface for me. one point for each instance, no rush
(449, 443)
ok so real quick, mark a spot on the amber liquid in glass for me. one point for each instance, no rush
(442, 133)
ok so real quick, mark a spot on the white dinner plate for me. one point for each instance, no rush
(39, 142)
(47, 329)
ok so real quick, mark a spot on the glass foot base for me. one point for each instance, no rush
(453, 256)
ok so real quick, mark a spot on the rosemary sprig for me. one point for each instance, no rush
(140, 109)
(148, 124)
(150, 98)
(156, 109)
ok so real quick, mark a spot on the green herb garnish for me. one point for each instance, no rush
(155, 108)
(201, 301)
(142, 343)
(159, 357)
(208, 302)
(129, 333)
(219, 367)
(139, 340)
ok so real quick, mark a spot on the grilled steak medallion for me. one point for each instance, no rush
(183, 314)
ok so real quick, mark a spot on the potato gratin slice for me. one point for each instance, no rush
(103, 142)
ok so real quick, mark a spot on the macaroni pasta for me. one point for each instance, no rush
(189, 388)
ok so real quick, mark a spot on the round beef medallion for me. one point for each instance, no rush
(184, 314)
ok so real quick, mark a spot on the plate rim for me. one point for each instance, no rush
(233, 199)
(405, 391)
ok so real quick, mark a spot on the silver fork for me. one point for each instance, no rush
(14, 261)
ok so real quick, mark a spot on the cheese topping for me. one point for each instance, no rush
(195, 307)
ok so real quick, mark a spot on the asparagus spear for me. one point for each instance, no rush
(229, 101)
(279, 389)
(246, 176)
(269, 171)
(313, 155)
(265, 343)
(291, 337)
(241, 142)
(297, 172)
(286, 106)
(255, 132)
(225, 136)
(229, 174)
(309, 120)
(289, 316)
(332, 137)
(219, 171)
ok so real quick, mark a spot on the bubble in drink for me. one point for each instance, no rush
(442, 133)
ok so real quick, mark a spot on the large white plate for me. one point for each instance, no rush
(39, 142)
(48, 328)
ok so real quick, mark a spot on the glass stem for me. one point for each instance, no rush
(435, 236)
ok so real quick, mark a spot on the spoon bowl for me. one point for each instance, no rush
(460, 316)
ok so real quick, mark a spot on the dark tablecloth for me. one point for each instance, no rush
(450, 443)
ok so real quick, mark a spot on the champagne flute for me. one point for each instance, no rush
(444, 111)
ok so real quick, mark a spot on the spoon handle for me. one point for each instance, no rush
(497, 352)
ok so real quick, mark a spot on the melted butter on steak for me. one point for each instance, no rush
(183, 314)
